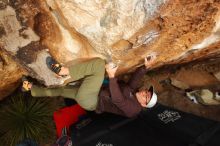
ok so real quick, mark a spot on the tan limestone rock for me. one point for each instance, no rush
(10, 75)
(125, 31)
(195, 78)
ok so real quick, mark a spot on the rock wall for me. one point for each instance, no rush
(177, 31)
(10, 74)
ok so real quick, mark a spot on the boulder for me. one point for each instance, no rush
(10, 74)
(191, 78)
(124, 31)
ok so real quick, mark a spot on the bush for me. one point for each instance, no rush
(25, 117)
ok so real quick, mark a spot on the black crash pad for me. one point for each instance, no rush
(159, 126)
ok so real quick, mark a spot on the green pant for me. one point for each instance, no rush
(86, 94)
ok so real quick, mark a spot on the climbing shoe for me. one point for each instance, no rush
(25, 84)
(53, 65)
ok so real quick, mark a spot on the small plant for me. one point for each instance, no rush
(25, 117)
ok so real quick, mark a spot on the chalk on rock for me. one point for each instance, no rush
(217, 75)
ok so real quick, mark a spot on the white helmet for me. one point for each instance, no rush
(153, 99)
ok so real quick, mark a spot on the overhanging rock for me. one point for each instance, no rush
(126, 31)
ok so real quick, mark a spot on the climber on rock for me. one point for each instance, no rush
(92, 95)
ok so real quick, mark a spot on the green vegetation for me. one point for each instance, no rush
(26, 117)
